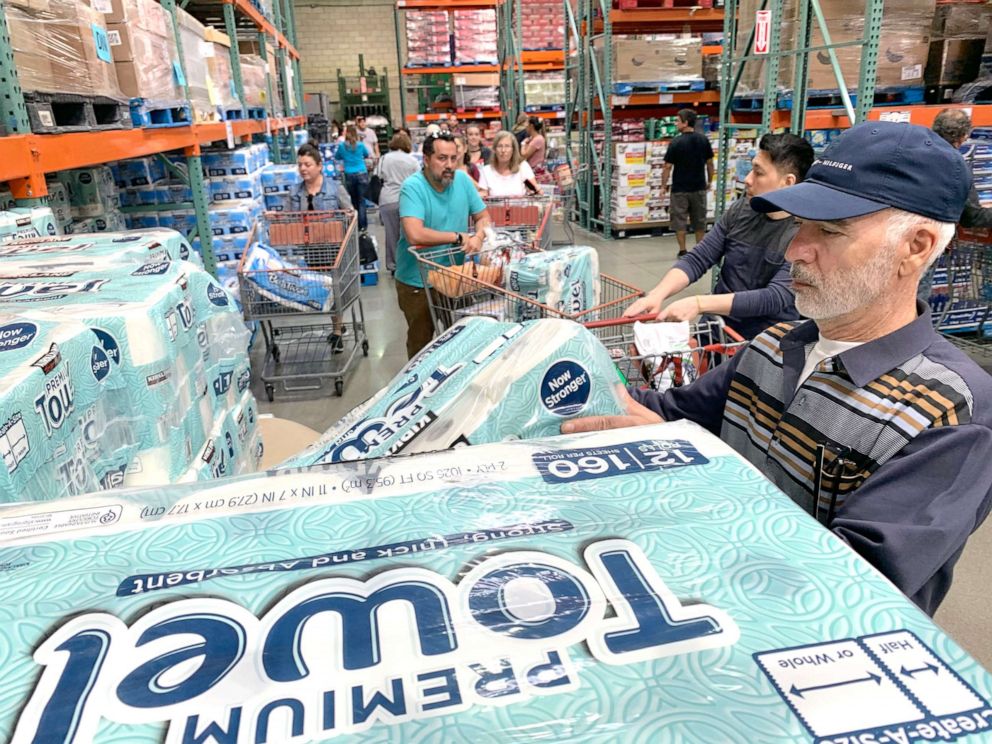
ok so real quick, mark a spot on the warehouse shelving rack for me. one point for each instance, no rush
(589, 93)
(25, 157)
(796, 120)
(407, 72)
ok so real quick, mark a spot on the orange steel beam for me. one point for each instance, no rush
(26, 158)
(246, 8)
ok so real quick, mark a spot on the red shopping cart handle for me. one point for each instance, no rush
(612, 322)
(732, 335)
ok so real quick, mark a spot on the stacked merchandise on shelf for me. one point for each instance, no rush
(657, 62)
(146, 57)
(638, 158)
(220, 79)
(94, 200)
(278, 183)
(60, 46)
(196, 51)
(234, 179)
(957, 44)
(253, 80)
(544, 90)
(476, 90)
(130, 367)
(427, 38)
(712, 62)
(146, 182)
(903, 48)
(475, 37)
(30, 222)
(542, 24)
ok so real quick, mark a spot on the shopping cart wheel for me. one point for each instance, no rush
(365, 348)
(270, 392)
(339, 387)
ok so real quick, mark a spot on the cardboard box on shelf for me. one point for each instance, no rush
(653, 59)
(77, 43)
(954, 61)
(33, 61)
(147, 15)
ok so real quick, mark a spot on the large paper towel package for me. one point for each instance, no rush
(171, 335)
(131, 247)
(566, 280)
(642, 585)
(481, 381)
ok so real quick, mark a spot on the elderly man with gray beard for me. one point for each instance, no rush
(863, 415)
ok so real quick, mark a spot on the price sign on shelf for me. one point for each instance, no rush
(229, 131)
(762, 31)
(666, 98)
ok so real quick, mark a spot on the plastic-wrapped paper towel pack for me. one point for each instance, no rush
(566, 280)
(481, 381)
(102, 249)
(635, 586)
(170, 333)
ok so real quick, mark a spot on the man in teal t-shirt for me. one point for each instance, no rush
(435, 206)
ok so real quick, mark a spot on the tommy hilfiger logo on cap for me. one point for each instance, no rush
(834, 164)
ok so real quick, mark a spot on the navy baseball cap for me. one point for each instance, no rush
(875, 165)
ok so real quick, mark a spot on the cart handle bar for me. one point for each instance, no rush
(734, 336)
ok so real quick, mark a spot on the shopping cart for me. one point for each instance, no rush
(566, 180)
(524, 218)
(961, 292)
(460, 286)
(709, 343)
(300, 291)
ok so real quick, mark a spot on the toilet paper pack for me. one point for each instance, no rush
(276, 279)
(566, 280)
(644, 585)
(62, 430)
(29, 222)
(280, 179)
(144, 320)
(481, 381)
(233, 447)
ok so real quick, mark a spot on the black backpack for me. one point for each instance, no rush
(367, 253)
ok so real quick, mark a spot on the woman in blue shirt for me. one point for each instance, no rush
(353, 154)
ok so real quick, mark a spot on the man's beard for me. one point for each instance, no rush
(843, 291)
(447, 176)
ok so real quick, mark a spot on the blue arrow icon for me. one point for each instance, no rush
(870, 678)
(912, 672)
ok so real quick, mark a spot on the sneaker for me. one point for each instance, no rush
(336, 342)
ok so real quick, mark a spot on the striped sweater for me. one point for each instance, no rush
(889, 444)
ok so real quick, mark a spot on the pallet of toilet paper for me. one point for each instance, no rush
(481, 381)
(172, 337)
(639, 585)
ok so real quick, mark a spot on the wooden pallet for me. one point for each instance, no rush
(53, 113)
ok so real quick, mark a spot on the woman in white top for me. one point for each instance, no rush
(507, 174)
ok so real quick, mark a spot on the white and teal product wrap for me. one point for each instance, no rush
(63, 430)
(566, 280)
(170, 334)
(481, 381)
(638, 586)
(280, 281)
(131, 247)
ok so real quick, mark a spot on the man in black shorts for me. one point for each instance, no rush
(691, 157)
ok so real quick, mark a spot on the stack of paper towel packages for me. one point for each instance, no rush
(565, 280)
(482, 381)
(124, 363)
